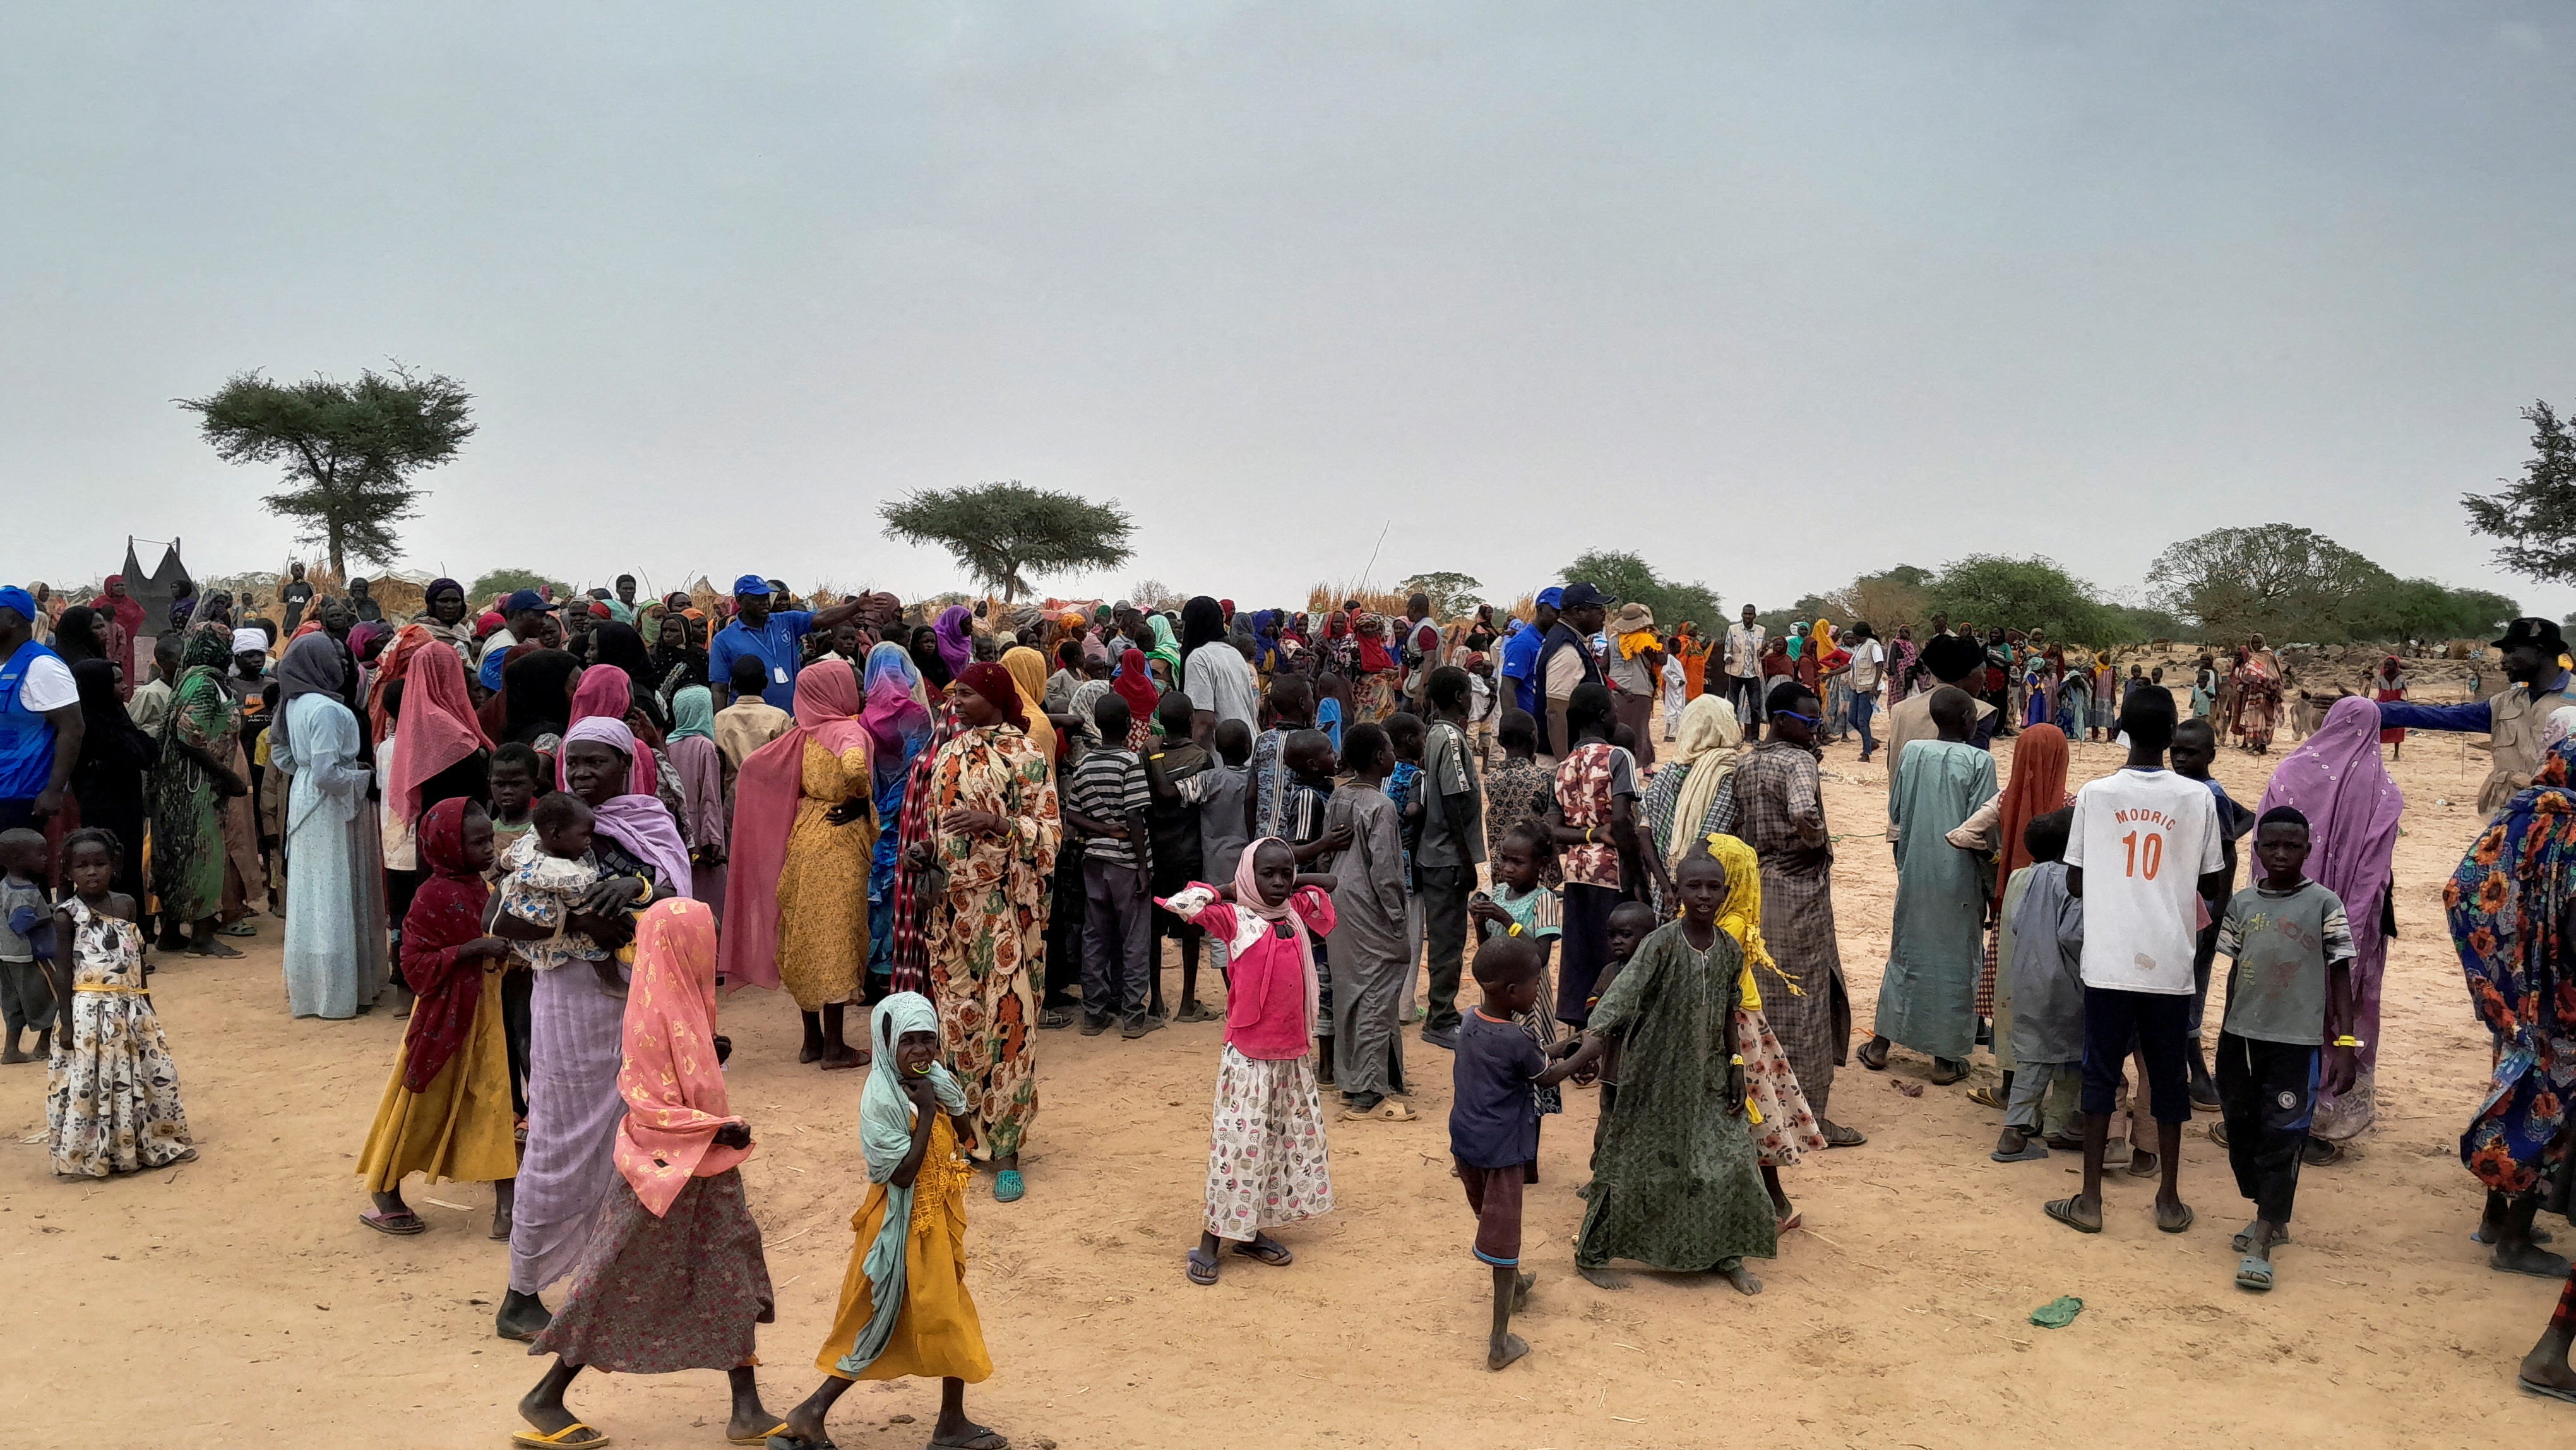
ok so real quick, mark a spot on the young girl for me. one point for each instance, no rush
(1784, 1128)
(1267, 1162)
(1522, 906)
(112, 1096)
(904, 1306)
(446, 1110)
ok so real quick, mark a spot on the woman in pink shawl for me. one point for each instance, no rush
(674, 1277)
(607, 694)
(804, 832)
(2336, 780)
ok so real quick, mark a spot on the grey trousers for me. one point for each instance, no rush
(2043, 1098)
(26, 1002)
(1368, 993)
(1117, 940)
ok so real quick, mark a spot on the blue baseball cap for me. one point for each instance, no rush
(20, 600)
(523, 601)
(751, 584)
(1552, 597)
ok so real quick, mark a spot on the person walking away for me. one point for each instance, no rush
(1595, 825)
(1927, 999)
(1565, 664)
(2045, 959)
(2142, 842)
(1952, 661)
(2289, 1004)
(2335, 780)
(1521, 649)
(1367, 941)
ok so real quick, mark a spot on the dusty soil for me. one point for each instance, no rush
(237, 1301)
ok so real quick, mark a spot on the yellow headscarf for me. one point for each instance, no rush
(1741, 916)
(1028, 672)
(1706, 749)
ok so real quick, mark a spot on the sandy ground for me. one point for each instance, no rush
(237, 1300)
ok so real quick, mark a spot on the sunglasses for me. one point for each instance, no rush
(1794, 715)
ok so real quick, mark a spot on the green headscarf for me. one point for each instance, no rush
(1166, 648)
(693, 712)
(885, 1138)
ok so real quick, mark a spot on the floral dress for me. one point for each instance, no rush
(112, 1096)
(984, 945)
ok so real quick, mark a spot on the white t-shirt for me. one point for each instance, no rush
(2144, 839)
(1866, 657)
(49, 685)
(1220, 681)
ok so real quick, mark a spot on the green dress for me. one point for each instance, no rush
(1676, 1185)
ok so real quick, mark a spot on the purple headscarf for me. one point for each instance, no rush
(2336, 780)
(956, 640)
(640, 823)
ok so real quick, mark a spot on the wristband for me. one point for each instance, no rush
(1738, 1060)
(2347, 1040)
(1515, 931)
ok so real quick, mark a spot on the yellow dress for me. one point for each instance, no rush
(462, 1127)
(823, 884)
(936, 1335)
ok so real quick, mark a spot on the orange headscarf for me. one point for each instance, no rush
(2037, 787)
(673, 1086)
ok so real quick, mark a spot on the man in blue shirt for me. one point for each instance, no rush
(1520, 652)
(2513, 719)
(40, 719)
(521, 611)
(775, 637)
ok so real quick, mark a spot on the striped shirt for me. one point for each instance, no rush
(1109, 786)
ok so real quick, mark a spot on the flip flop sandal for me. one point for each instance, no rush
(1862, 1053)
(1838, 1136)
(400, 1225)
(2143, 1165)
(2319, 1152)
(762, 1438)
(987, 1440)
(1944, 1076)
(1389, 1111)
(1009, 1186)
(1266, 1251)
(562, 1438)
(2063, 1210)
(1197, 1012)
(2032, 1150)
(1985, 1097)
(2255, 1274)
(2555, 1392)
(2218, 1133)
(1202, 1268)
(1797, 1218)
(239, 928)
(790, 1442)
(2244, 1244)
(2175, 1228)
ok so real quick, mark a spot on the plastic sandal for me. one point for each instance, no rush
(561, 1438)
(2255, 1274)
(1009, 1186)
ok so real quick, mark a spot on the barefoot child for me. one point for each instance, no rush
(1309, 761)
(1493, 1120)
(1523, 909)
(904, 1306)
(2288, 997)
(26, 1002)
(1677, 1187)
(1631, 922)
(1267, 1165)
(112, 1095)
(673, 1278)
(2046, 959)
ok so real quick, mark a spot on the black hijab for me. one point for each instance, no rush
(535, 696)
(621, 646)
(110, 740)
(76, 634)
(926, 658)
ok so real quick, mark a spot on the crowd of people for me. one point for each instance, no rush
(546, 830)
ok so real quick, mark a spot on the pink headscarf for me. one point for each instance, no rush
(764, 812)
(673, 1086)
(606, 693)
(2335, 779)
(437, 727)
(1247, 897)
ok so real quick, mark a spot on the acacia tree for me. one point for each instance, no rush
(1001, 533)
(1452, 594)
(2536, 513)
(2278, 580)
(1990, 590)
(349, 449)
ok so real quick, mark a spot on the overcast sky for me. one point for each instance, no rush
(1770, 294)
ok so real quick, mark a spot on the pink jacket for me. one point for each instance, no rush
(1266, 996)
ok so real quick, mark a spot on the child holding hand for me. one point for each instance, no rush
(1267, 1160)
(1493, 1121)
